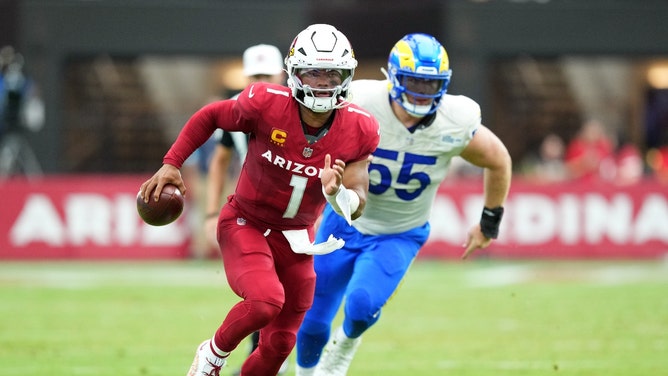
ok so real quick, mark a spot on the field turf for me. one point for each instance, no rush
(469, 318)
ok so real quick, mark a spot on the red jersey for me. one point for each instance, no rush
(279, 186)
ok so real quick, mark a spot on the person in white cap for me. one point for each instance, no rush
(261, 63)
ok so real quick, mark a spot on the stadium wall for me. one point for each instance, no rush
(475, 32)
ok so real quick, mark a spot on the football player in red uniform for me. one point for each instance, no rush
(307, 146)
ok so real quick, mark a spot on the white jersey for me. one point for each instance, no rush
(407, 168)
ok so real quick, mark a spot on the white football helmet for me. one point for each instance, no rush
(320, 46)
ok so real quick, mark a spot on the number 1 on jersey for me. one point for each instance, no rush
(298, 183)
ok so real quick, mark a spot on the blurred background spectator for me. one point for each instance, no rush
(194, 172)
(629, 165)
(657, 160)
(212, 162)
(21, 111)
(547, 164)
(590, 154)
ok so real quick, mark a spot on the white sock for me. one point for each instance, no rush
(218, 352)
(302, 371)
(341, 336)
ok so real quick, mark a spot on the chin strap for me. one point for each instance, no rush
(344, 202)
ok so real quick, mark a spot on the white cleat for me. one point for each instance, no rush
(206, 363)
(301, 371)
(337, 355)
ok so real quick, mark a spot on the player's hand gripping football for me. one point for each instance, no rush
(332, 175)
(167, 174)
(475, 240)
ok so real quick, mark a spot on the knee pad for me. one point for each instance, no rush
(360, 314)
(263, 312)
(281, 342)
(358, 306)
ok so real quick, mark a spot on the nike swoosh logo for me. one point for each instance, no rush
(250, 92)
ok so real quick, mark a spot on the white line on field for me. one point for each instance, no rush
(90, 275)
(499, 276)
(519, 365)
(596, 274)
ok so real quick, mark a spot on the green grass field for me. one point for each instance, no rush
(449, 318)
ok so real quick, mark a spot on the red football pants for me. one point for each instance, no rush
(276, 285)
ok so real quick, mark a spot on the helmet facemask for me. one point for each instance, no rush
(412, 90)
(313, 98)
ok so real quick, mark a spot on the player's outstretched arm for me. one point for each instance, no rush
(487, 151)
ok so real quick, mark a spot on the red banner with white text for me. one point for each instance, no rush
(559, 220)
(94, 217)
(83, 217)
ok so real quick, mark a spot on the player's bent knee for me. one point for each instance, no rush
(262, 311)
(282, 342)
(359, 307)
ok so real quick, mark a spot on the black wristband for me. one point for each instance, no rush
(490, 221)
(212, 215)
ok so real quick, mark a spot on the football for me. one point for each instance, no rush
(164, 211)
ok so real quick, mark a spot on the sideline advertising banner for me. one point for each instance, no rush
(83, 217)
(557, 220)
(95, 217)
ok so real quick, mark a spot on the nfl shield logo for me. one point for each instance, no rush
(308, 152)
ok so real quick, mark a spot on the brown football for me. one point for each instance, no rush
(164, 211)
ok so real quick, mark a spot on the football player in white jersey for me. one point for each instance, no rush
(422, 128)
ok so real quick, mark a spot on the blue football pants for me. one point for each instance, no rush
(366, 271)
